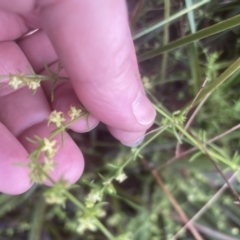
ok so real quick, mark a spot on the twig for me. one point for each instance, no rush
(167, 11)
(235, 194)
(201, 89)
(189, 122)
(195, 148)
(175, 204)
(207, 205)
(135, 12)
(194, 113)
(208, 231)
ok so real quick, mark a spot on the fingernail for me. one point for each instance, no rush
(143, 109)
(90, 128)
(137, 143)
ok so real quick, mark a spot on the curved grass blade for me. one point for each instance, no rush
(206, 32)
(170, 19)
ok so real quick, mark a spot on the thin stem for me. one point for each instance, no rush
(62, 128)
(195, 148)
(74, 200)
(221, 173)
(189, 122)
(81, 206)
(150, 140)
(167, 10)
(179, 127)
(104, 230)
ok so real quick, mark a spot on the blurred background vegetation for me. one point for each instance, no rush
(188, 54)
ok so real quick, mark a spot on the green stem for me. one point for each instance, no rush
(74, 200)
(195, 142)
(81, 206)
(62, 128)
(104, 230)
(167, 5)
(150, 140)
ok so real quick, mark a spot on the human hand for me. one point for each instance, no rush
(93, 42)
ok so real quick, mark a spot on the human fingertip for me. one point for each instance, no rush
(90, 127)
(135, 144)
(84, 124)
(21, 186)
(143, 109)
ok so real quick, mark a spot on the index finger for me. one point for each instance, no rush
(94, 43)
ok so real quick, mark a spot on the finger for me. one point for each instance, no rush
(22, 6)
(100, 60)
(130, 139)
(12, 26)
(64, 99)
(25, 116)
(13, 178)
(38, 47)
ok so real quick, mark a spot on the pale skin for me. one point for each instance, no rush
(93, 41)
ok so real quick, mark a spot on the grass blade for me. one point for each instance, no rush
(194, 60)
(170, 19)
(37, 220)
(206, 32)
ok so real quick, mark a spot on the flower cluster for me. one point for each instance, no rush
(93, 197)
(121, 176)
(147, 83)
(87, 220)
(74, 112)
(48, 147)
(55, 195)
(18, 80)
(57, 118)
(39, 171)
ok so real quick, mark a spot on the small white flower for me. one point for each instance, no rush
(121, 177)
(36, 175)
(146, 82)
(48, 165)
(52, 197)
(33, 85)
(74, 112)
(93, 197)
(48, 147)
(56, 117)
(15, 82)
(87, 223)
(55, 194)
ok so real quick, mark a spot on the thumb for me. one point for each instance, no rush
(94, 43)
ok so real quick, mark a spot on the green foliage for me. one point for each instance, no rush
(119, 197)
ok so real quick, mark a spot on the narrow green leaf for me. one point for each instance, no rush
(195, 156)
(37, 220)
(191, 17)
(170, 19)
(206, 32)
(194, 60)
